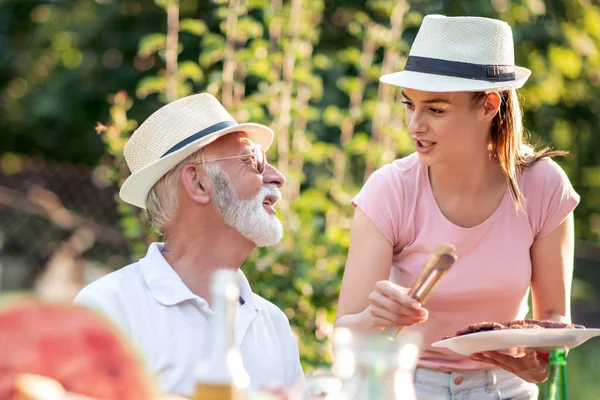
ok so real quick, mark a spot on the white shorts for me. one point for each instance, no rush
(495, 384)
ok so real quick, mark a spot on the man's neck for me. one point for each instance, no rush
(195, 255)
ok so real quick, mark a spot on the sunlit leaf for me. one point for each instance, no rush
(566, 60)
(190, 70)
(193, 26)
(321, 61)
(149, 85)
(150, 44)
(333, 116)
(350, 55)
(561, 135)
(359, 144)
(248, 28)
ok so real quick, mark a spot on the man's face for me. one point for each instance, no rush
(244, 197)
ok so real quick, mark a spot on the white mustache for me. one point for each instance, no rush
(270, 190)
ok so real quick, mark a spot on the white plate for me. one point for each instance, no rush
(515, 338)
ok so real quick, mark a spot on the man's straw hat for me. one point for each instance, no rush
(172, 133)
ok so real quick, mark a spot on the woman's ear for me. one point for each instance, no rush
(195, 183)
(491, 105)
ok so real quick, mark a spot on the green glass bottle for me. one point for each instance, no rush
(556, 386)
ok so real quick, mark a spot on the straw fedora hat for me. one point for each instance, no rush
(174, 132)
(453, 54)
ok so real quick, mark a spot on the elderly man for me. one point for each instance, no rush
(207, 188)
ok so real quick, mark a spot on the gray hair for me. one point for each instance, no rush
(162, 201)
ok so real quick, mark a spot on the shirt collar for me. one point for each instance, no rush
(168, 288)
(245, 290)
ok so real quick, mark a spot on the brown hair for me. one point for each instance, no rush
(509, 144)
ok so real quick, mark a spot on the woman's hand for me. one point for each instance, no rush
(530, 365)
(391, 306)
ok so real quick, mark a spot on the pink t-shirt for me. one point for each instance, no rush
(490, 281)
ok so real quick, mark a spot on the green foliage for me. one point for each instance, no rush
(151, 44)
(150, 85)
(193, 26)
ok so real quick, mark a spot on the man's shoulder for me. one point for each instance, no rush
(275, 313)
(111, 294)
(116, 283)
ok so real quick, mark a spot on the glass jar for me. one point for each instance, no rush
(373, 366)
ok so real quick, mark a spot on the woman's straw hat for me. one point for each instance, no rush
(454, 54)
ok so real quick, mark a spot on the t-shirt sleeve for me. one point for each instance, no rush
(381, 199)
(554, 199)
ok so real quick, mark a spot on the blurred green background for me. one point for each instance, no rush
(77, 77)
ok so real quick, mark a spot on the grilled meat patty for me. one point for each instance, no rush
(516, 324)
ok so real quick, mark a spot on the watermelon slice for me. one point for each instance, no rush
(72, 345)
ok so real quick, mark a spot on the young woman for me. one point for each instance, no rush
(475, 183)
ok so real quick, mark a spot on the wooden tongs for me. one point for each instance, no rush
(436, 267)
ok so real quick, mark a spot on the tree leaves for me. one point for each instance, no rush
(151, 44)
(193, 26)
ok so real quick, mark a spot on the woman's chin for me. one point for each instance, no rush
(428, 159)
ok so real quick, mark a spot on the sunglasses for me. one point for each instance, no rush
(258, 155)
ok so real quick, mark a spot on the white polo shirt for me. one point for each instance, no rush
(169, 325)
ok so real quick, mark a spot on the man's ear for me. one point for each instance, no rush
(195, 183)
(491, 105)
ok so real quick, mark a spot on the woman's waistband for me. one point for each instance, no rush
(465, 380)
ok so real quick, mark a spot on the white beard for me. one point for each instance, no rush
(248, 217)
